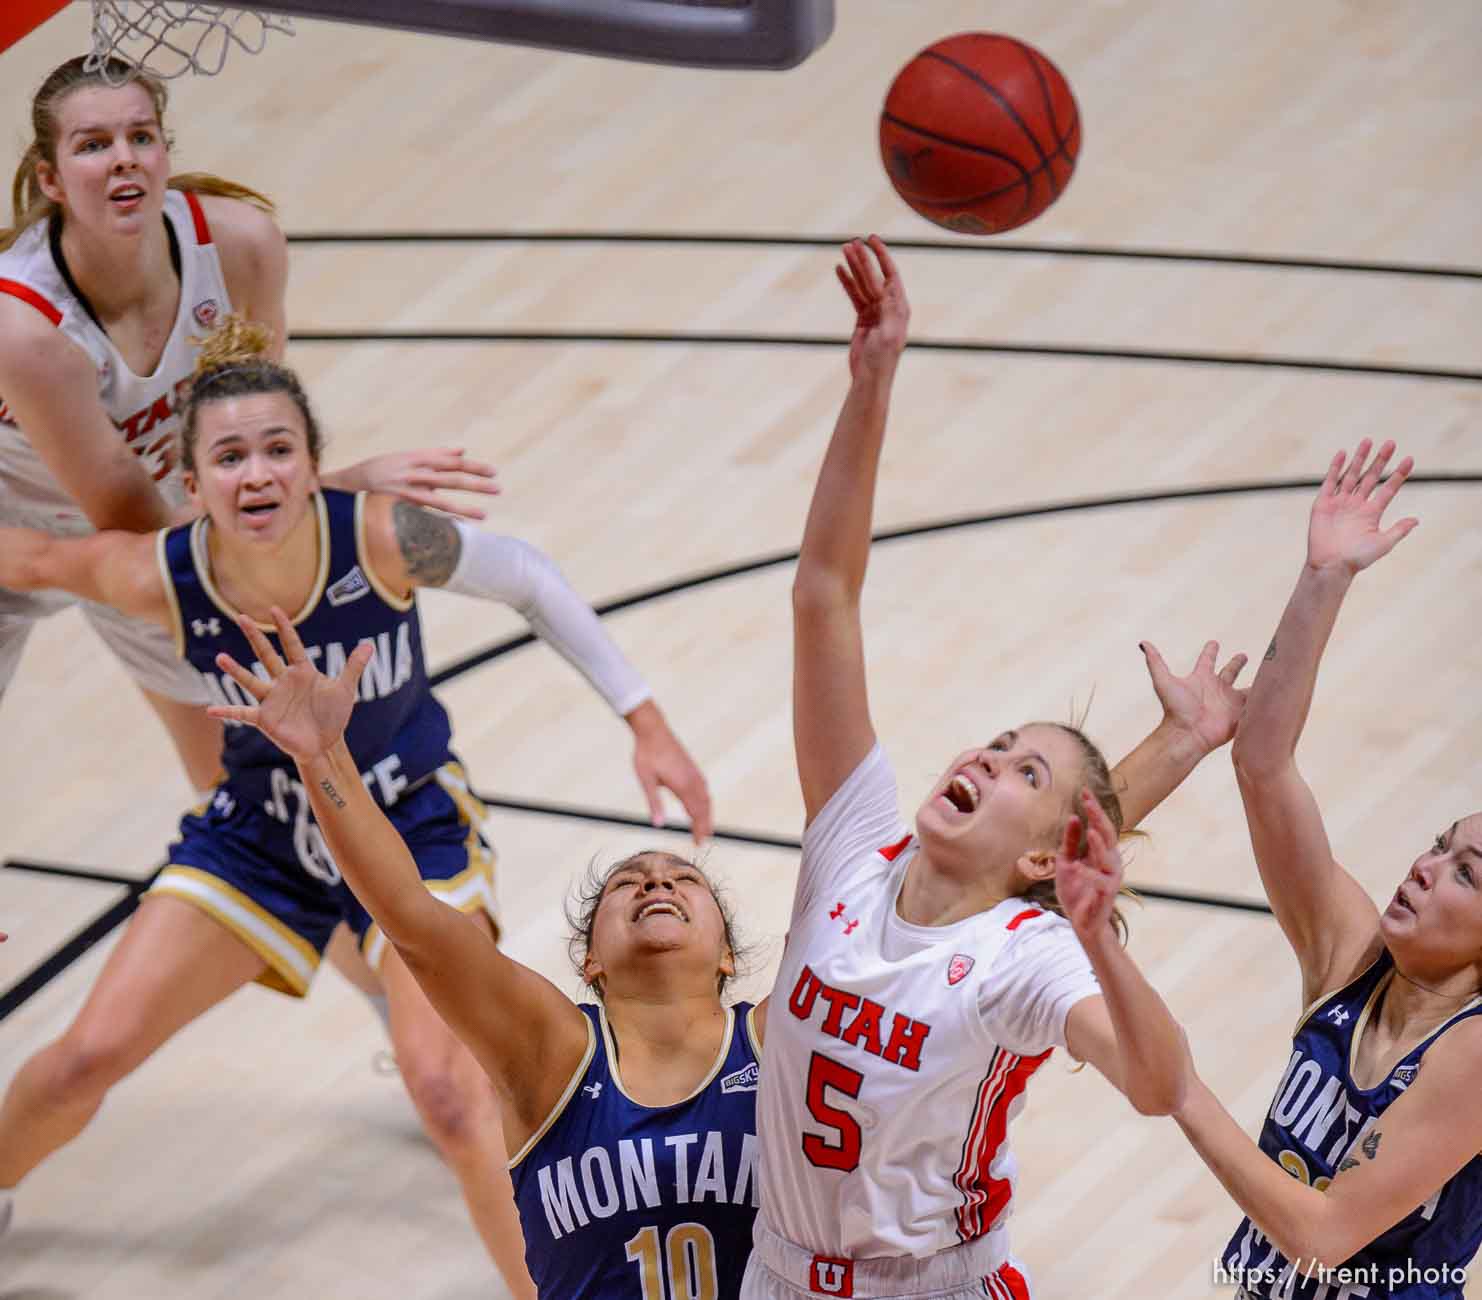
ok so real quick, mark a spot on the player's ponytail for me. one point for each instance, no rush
(234, 361)
(1096, 778)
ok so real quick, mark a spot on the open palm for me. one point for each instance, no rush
(1088, 869)
(878, 296)
(1344, 527)
(298, 708)
(1205, 704)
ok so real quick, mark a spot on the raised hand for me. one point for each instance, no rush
(1206, 704)
(1344, 531)
(881, 312)
(425, 477)
(662, 763)
(1088, 870)
(298, 708)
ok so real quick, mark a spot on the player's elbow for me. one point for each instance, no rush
(1158, 1096)
(820, 591)
(1259, 759)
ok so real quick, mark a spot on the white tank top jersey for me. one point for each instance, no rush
(897, 1054)
(145, 408)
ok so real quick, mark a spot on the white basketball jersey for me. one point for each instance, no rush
(145, 408)
(897, 1054)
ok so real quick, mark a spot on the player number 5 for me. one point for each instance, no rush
(825, 1073)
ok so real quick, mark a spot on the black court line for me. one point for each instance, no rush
(95, 932)
(906, 531)
(701, 338)
(731, 240)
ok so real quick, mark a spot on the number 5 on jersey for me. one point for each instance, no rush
(843, 1153)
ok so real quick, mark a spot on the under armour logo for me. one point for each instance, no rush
(593, 1090)
(205, 626)
(828, 1276)
(1338, 1015)
(837, 912)
(224, 803)
(850, 928)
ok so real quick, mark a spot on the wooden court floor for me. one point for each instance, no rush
(260, 1153)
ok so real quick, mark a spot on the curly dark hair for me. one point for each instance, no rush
(586, 897)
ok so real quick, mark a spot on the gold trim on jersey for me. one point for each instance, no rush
(751, 1033)
(362, 552)
(200, 554)
(291, 959)
(177, 621)
(565, 1100)
(617, 1078)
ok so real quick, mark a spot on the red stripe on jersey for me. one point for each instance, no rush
(984, 1198)
(892, 851)
(1028, 914)
(198, 215)
(27, 294)
(1012, 1282)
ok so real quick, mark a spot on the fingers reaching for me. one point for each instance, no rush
(1232, 670)
(267, 656)
(246, 679)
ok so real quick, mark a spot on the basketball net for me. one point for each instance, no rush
(169, 40)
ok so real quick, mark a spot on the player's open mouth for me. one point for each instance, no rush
(261, 510)
(962, 794)
(1403, 901)
(127, 194)
(660, 906)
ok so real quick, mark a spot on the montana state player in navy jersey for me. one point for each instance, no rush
(632, 1124)
(110, 270)
(250, 890)
(1367, 1182)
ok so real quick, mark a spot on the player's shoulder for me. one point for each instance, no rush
(1034, 934)
(241, 228)
(30, 341)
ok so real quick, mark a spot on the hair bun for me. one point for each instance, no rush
(236, 341)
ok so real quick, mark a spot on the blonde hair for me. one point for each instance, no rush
(29, 203)
(1098, 780)
(234, 362)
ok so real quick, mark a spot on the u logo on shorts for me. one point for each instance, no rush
(829, 1276)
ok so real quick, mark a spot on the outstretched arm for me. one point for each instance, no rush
(1398, 1163)
(1199, 715)
(832, 731)
(1127, 1033)
(115, 569)
(412, 547)
(1330, 921)
(528, 1036)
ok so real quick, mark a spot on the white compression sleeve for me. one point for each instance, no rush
(494, 567)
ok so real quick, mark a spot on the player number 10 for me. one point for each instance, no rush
(689, 1251)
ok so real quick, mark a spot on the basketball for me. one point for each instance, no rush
(979, 133)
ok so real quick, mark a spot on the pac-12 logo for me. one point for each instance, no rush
(829, 1276)
(206, 313)
(958, 968)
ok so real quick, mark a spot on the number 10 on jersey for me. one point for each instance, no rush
(689, 1252)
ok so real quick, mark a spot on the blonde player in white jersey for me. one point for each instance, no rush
(109, 270)
(928, 974)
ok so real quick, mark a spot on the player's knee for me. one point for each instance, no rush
(85, 1064)
(446, 1108)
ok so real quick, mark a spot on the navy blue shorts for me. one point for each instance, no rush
(265, 874)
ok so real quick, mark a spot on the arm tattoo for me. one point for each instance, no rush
(1271, 650)
(429, 543)
(334, 795)
(1349, 1163)
(1371, 1144)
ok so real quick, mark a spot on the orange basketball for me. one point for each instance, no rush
(979, 133)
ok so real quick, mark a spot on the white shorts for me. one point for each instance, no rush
(780, 1270)
(28, 499)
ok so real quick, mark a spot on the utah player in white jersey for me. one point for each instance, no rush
(927, 974)
(1367, 1182)
(109, 269)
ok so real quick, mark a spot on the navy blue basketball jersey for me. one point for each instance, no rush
(620, 1201)
(1318, 1116)
(398, 733)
